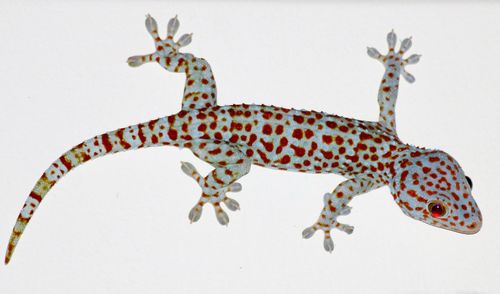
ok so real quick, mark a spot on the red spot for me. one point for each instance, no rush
(123, 143)
(299, 151)
(343, 129)
(67, 164)
(353, 158)
(106, 143)
(331, 124)
(263, 156)
(299, 119)
(311, 121)
(341, 150)
(327, 139)
(297, 133)
(309, 133)
(249, 152)
(154, 139)
(172, 134)
(285, 159)
(327, 154)
(267, 145)
(267, 114)
(201, 115)
(365, 136)
(184, 128)
(433, 159)
(307, 162)
(215, 151)
(36, 196)
(218, 136)
(404, 175)
(279, 129)
(234, 138)
(202, 127)
(204, 81)
(248, 127)
(386, 89)
(283, 141)
(152, 123)
(267, 129)
(237, 126)
(252, 139)
(140, 133)
(339, 140)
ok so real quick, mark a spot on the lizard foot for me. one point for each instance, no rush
(164, 47)
(213, 197)
(328, 221)
(395, 59)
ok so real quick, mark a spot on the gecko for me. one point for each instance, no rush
(427, 184)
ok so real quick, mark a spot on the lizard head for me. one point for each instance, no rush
(430, 186)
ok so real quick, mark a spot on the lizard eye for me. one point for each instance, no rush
(469, 181)
(437, 209)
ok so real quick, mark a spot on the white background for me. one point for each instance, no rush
(119, 224)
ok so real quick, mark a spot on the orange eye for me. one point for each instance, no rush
(437, 209)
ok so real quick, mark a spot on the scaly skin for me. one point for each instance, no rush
(428, 185)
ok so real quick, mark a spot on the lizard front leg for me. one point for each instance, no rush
(335, 205)
(230, 165)
(394, 67)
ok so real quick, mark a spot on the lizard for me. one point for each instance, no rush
(427, 184)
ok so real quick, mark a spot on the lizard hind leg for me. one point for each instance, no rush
(214, 197)
(230, 165)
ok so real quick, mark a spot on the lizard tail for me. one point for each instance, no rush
(156, 132)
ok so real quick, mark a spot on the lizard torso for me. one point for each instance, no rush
(299, 140)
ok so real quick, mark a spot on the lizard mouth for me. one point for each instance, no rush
(468, 229)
